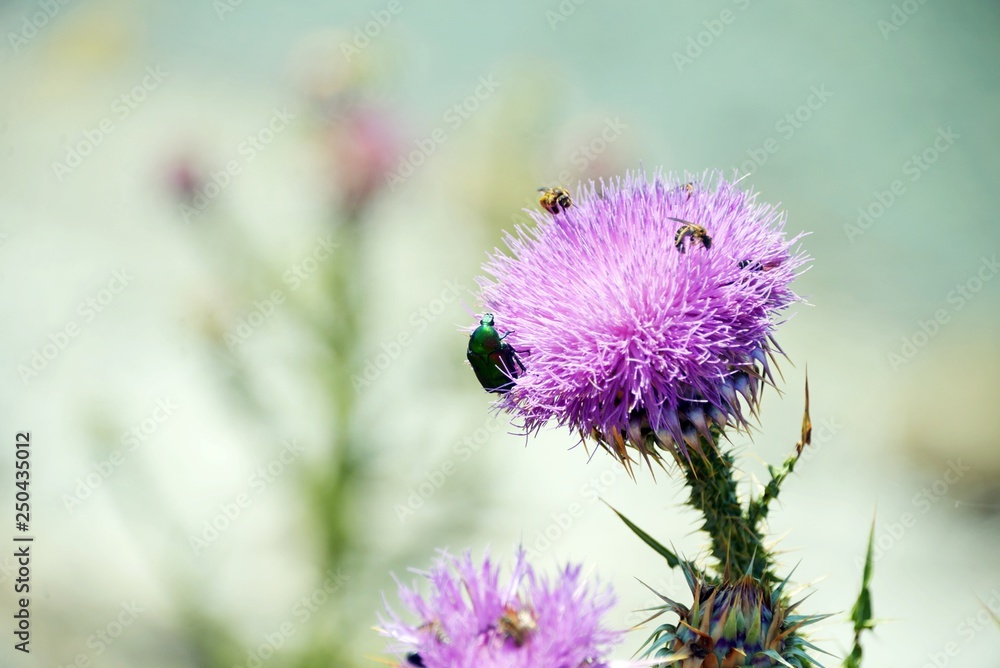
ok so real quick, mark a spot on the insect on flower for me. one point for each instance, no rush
(517, 624)
(692, 230)
(496, 363)
(630, 367)
(754, 265)
(439, 635)
(520, 620)
(555, 200)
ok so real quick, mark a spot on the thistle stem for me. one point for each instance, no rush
(736, 542)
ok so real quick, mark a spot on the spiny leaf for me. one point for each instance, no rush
(671, 558)
(758, 508)
(861, 613)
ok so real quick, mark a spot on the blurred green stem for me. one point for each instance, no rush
(342, 341)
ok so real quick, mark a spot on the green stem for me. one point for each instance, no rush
(334, 484)
(736, 542)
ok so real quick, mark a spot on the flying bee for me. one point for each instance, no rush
(517, 624)
(555, 200)
(695, 232)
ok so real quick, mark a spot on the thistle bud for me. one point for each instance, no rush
(732, 624)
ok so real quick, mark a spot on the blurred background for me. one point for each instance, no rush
(239, 243)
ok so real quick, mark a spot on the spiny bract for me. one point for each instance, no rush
(731, 624)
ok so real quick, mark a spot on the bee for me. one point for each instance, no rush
(689, 189)
(754, 265)
(517, 624)
(555, 200)
(434, 626)
(414, 659)
(696, 232)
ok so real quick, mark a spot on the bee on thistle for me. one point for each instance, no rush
(613, 383)
(517, 624)
(692, 230)
(689, 189)
(555, 200)
(496, 363)
(435, 627)
(754, 265)
(493, 621)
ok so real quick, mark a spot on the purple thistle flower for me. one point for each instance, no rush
(636, 328)
(472, 620)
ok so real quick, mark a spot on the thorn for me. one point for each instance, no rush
(806, 438)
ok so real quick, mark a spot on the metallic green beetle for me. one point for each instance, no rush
(496, 363)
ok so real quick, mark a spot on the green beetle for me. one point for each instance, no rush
(496, 363)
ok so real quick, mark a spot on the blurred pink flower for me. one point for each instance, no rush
(362, 148)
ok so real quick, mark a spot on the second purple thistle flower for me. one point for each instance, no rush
(643, 312)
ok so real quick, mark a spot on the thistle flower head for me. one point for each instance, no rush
(732, 624)
(643, 312)
(471, 619)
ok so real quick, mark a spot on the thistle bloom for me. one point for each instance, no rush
(638, 329)
(472, 620)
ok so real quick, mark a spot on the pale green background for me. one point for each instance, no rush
(889, 432)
